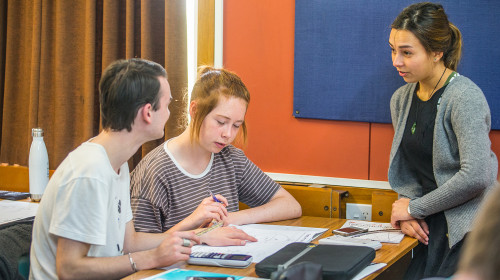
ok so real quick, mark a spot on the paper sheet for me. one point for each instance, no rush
(368, 270)
(16, 210)
(385, 237)
(270, 238)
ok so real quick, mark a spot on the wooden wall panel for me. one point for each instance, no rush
(330, 201)
(206, 26)
(382, 205)
(314, 201)
(354, 195)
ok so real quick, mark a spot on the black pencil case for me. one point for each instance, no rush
(339, 262)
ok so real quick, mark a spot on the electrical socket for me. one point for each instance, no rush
(356, 211)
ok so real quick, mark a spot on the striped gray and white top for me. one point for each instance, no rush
(163, 193)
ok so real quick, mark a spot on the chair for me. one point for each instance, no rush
(15, 178)
(15, 242)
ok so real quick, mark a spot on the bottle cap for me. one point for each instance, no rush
(37, 132)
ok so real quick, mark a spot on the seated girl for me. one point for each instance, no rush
(171, 187)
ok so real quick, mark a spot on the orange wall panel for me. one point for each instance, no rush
(259, 46)
(380, 147)
(495, 144)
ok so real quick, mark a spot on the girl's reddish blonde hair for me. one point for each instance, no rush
(211, 84)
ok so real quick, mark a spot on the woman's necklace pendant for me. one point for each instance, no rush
(413, 127)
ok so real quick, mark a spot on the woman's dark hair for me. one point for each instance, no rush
(126, 86)
(429, 23)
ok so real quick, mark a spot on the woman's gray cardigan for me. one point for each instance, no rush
(464, 166)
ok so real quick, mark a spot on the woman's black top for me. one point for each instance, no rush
(417, 145)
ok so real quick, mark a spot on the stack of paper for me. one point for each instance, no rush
(270, 238)
(382, 232)
(16, 210)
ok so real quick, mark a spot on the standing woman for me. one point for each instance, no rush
(171, 185)
(441, 163)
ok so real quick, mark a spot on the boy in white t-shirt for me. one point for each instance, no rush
(84, 225)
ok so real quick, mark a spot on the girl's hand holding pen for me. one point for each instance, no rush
(218, 198)
(207, 211)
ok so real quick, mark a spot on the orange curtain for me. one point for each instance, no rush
(52, 54)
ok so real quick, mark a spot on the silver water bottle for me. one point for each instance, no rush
(38, 165)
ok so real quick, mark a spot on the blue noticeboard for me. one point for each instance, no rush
(343, 68)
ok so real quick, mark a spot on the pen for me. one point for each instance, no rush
(214, 198)
(215, 223)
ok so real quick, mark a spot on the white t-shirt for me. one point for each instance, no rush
(85, 200)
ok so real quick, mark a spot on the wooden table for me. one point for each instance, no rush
(395, 255)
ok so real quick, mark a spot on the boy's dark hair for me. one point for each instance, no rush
(126, 86)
